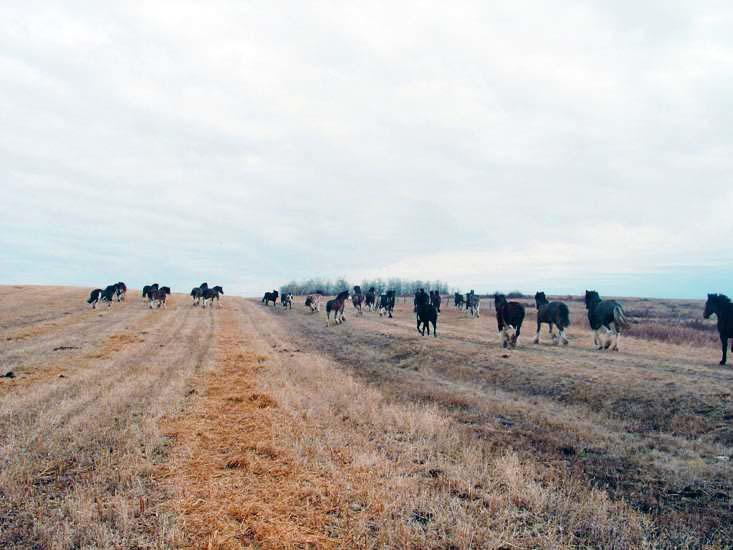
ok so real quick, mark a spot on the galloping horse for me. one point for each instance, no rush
(313, 301)
(286, 300)
(509, 317)
(147, 289)
(721, 305)
(427, 314)
(357, 299)
(212, 294)
(473, 304)
(158, 296)
(608, 314)
(337, 306)
(270, 297)
(197, 293)
(371, 299)
(552, 313)
(458, 300)
(386, 303)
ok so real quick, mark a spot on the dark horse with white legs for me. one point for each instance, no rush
(721, 306)
(147, 289)
(552, 313)
(270, 297)
(211, 294)
(370, 300)
(98, 295)
(608, 314)
(197, 293)
(509, 317)
(337, 307)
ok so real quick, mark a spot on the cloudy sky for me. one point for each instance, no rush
(520, 145)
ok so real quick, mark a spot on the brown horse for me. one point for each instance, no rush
(337, 307)
(358, 301)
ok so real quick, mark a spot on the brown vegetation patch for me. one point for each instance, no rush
(235, 486)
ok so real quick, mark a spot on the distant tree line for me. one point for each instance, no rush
(403, 287)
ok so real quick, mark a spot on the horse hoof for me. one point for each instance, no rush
(722, 363)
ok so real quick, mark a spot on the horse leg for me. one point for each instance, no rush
(537, 335)
(563, 338)
(724, 344)
(597, 340)
(435, 330)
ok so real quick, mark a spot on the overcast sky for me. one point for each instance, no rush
(525, 145)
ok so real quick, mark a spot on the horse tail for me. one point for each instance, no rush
(619, 318)
(563, 314)
(91, 298)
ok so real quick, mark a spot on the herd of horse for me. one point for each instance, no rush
(154, 295)
(606, 317)
(116, 291)
(202, 294)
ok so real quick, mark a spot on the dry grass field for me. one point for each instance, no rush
(247, 426)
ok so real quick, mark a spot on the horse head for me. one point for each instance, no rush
(218, 289)
(714, 303)
(591, 298)
(540, 299)
(499, 300)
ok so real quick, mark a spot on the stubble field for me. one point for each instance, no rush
(251, 426)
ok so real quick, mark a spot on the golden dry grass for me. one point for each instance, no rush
(243, 426)
(236, 486)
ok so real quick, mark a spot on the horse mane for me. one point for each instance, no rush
(719, 298)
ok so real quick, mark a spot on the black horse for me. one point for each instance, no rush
(386, 303)
(197, 293)
(435, 299)
(158, 296)
(509, 317)
(458, 300)
(370, 299)
(286, 300)
(337, 307)
(211, 294)
(552, 313)
(608, 314)
(721, 306)
(121, 291)
(270, 297)
(421, 299)
(426, 314)
(147, 289)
